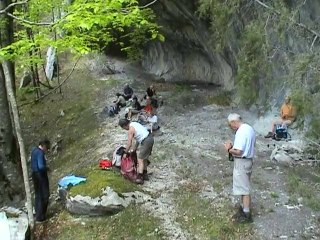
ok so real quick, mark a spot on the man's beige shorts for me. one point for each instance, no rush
(241, 176)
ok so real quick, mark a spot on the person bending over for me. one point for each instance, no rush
(144, 139)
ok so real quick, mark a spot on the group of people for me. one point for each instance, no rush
(242, 153)
(134, 110)
(142, 129)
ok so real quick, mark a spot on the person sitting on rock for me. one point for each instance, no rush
(120, 102)
(132, 107)
(287, 116)
(151, 91)
(148, 107)
(149, 120)
(156, 101)
(127, 91)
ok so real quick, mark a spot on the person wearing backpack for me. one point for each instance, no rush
(144, 139)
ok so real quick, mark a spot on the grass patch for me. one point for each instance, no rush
(274, 195)
(297, 187)
(222, 99)
(207, 220)
(98, 179)
(127, 224)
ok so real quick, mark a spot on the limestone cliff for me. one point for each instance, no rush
(186, 54)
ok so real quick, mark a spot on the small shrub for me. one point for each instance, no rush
(222, 99)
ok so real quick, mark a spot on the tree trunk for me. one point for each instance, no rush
(14, 108)
(6, 34)
(10, 175)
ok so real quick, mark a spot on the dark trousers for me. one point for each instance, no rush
(41, 189)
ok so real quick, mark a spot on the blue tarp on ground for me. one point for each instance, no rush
(70, 180)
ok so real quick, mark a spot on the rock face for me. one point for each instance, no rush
(186, 54)
(109, 203)
(14, 227)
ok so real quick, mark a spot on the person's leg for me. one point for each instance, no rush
(274, 123)
(45, 194)
(287, 122)
(246, 203)
(140, 166)
(37, 197)
(145, 152)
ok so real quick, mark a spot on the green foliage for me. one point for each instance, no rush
(98, 179)
(299, 187)
(205, 219)
(221, 14)
(127, 224)
(251, 62)
(222, 99)
(85, 26)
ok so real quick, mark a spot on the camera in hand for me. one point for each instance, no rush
(231, 158)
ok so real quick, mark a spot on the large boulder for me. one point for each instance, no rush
(14, 224)
(108, 203)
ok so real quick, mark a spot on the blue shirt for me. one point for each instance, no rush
(38, 160)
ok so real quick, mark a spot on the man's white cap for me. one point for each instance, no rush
(234, 117)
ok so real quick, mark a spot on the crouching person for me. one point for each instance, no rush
(144, 139)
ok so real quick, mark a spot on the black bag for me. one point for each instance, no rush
(113, 110)
(281, 132)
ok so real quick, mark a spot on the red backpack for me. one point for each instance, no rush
(105, 164)
(129, 166)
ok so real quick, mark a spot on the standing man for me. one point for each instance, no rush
(243, 151)
(145, 140)
(40, 179)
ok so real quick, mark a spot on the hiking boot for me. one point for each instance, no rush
(269, 135)
(244, 218)
(139, 179)
(238, 214)
(145, 175)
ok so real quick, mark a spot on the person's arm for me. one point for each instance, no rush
(41, 161)
(281, 112)
(235, 152)
(130, 138)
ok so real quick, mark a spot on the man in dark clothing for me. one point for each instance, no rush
(127, 91)
(40, 179)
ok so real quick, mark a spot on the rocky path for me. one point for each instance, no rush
(192, 140)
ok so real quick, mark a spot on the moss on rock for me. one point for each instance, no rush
(98, 179)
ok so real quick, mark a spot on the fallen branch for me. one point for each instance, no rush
(149, 4)
(55, 88)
